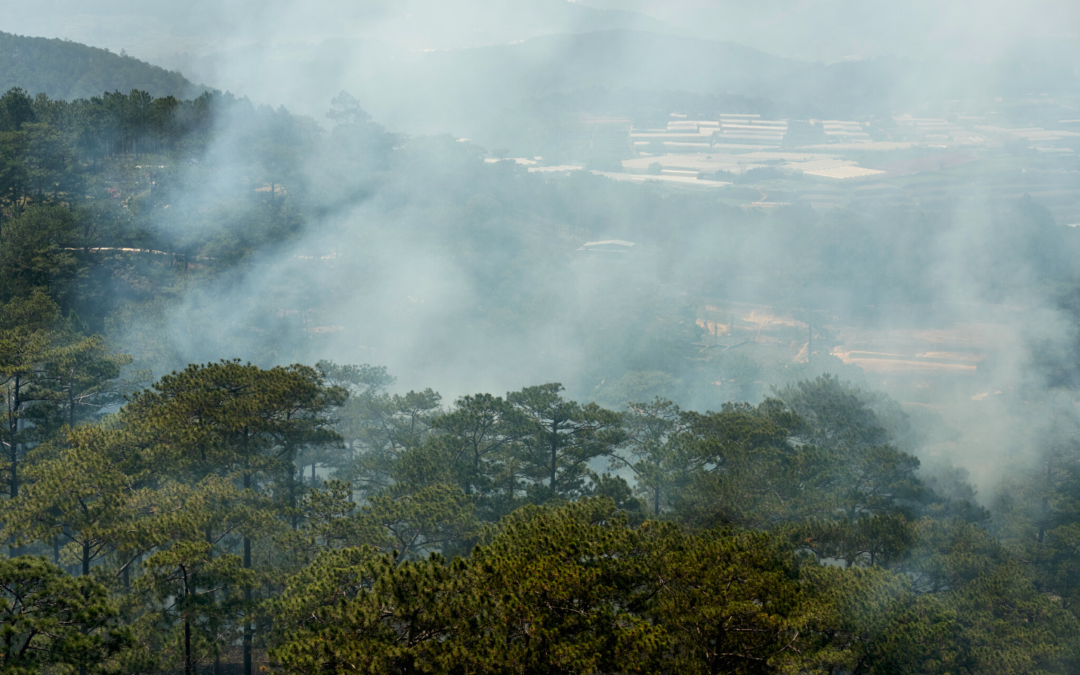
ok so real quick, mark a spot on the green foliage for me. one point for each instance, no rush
(33, 253)
(50, 620)
(526, 603)
(1036, 514)
(575, 589)
(482, 440)
(565, 437)
(16, 109)
(82, 497)
(188, 500)
(653, 430)
(733, 603)
(793, 535)
(25, 324)
(382, 428)
(356, 610)
(195, 600)
(837, 414)
(237, 419)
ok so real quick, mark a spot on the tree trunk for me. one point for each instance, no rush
(213, 595)
(554, 454)
(85, 559)
(13, 456)
(187, 626)
(475, 471)
(188, 670)
(13, 434)
(248, 629)
(293, 480)
(71, 400)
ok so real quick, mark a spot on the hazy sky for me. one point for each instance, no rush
(828, 30)
(831, 29)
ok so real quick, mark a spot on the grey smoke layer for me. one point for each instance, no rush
(464, 275)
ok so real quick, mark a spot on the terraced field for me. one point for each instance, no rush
(918, 366)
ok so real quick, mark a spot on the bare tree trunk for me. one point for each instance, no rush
(554, 455)
(13, 405)
(85, 572)
(15, 402)
(248, 629)
(71, 400)
(188, 666)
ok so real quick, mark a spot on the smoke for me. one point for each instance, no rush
(465, 275)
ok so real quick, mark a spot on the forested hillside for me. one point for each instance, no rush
(268, 507)
(67, 70)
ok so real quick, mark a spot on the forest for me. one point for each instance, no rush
(177, 498)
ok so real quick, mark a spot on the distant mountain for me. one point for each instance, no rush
(1033, 67)
(68, 70)
(464, 90)
(482, 80)
(833, 30)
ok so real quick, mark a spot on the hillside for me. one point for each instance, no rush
(68, 70)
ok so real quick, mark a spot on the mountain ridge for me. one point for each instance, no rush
(68, 70)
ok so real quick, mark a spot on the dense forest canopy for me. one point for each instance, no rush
(323, 397)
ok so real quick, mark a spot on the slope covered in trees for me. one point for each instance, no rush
(67, 70)
(479, 537)
(260, 511)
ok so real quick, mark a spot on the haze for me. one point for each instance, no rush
(945, 83)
